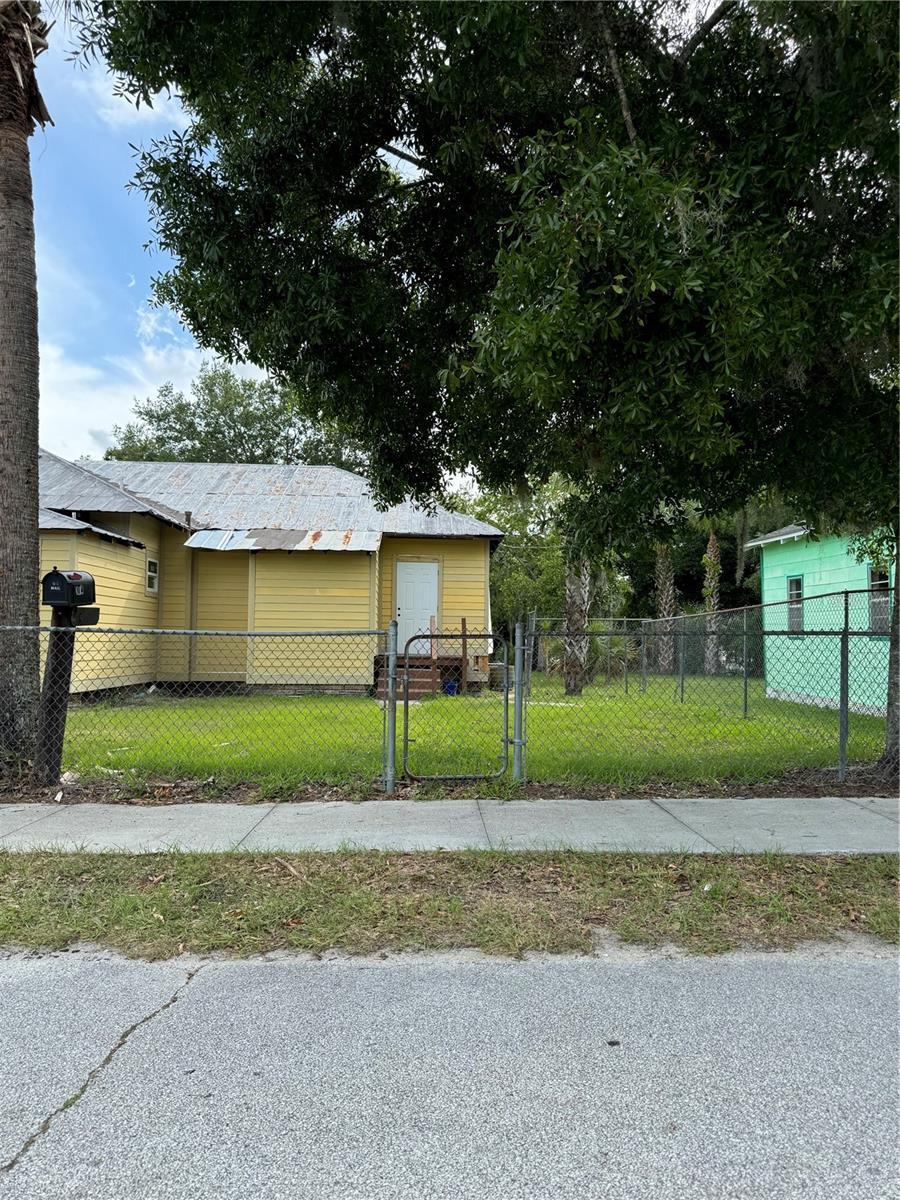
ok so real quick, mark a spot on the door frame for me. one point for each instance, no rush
(421, 558)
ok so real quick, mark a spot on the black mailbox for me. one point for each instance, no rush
(68, 589)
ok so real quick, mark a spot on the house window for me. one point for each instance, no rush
(879, 601)
(152, 576)
(795, 604)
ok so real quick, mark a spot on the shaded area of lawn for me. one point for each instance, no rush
(607, 736)
(159, 905)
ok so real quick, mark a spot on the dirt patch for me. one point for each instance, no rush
(861, 781)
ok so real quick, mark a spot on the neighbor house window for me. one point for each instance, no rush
(879, 601)
(795, 604)
(152, 576)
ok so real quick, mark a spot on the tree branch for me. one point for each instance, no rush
(410, 158)
(722, 10)
(617, 74)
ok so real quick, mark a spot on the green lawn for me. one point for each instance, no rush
(606, 736)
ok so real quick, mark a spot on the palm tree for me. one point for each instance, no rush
(23, 35)
(712, 565)
(579, 596)
(664, 579)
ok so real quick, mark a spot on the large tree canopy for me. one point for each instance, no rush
(545, 237)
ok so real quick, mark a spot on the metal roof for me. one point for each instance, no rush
(284, 539)
(254, 497)
(49, 520)
(74, 487)
(789, 533)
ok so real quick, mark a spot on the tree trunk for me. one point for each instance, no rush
(890, 760)
(19, 657)
(575, 641)
(665, 608)
(712, 562)
(741, 560)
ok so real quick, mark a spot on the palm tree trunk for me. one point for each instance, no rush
(712, 563)
(19, 659)
(575, 638)
(664, 578)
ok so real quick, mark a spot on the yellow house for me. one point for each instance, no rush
(267, 549)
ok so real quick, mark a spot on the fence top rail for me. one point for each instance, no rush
(702, 635)
(721, 612)
(206, 633)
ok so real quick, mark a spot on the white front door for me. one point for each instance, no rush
(417, 602)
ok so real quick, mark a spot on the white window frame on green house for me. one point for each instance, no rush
(795, 604)
(879, 601)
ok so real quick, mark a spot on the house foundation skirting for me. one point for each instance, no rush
(868, 710)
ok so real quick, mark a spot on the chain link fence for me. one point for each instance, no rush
(787, 691)
(276, 709)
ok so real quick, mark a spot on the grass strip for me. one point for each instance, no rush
(160, 905)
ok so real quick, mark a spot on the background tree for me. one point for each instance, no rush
(23, 35)
(230, 419)
(527, 568)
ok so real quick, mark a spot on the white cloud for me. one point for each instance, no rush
(119, 112)
(82, 400)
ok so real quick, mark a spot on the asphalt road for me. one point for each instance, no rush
(626, 1075)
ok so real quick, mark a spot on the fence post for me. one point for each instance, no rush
(464, 674)
(844, 713)
(518, 700)
(643, 656)
(390, 756)
(746, 665)
(55, 697)
(626, 647)
(433, 651)
(681, 660)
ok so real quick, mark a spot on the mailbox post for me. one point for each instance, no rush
(66, 592)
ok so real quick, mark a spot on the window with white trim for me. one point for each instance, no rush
(152, 576)
(795, 604)
(879, 601)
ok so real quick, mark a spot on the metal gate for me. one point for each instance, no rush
(455, 712)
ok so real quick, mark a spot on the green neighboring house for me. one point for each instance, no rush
(803, 582)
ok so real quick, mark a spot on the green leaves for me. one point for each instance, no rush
(703, 313)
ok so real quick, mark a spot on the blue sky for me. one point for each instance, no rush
(102, 344)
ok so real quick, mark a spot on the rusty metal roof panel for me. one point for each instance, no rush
(242, 496)
(285, 539)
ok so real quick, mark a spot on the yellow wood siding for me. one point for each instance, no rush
(120, 574)
(220, 600)
(312, 591)
(57, 550)
(463, 577)
(174, 604)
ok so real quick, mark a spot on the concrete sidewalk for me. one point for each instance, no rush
(824, 825)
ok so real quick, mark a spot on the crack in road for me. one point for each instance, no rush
(70, 1101)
